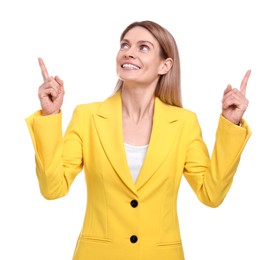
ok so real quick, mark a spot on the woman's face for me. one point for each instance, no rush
(138, 60)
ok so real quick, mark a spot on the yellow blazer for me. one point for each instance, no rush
(126, 220)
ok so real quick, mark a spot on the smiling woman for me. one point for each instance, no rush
(134, 147)
(160, 40)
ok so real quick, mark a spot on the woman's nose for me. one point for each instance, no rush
(129, 56)
(130, 53)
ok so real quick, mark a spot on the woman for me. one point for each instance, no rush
(134, 148)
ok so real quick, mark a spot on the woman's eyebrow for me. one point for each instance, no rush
(146, 42)
(139, 42)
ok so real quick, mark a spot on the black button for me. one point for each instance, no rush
(134, 203)
(133, 239)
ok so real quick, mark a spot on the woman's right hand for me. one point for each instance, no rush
(51, 92)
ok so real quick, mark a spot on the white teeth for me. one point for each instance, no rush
(130, 66)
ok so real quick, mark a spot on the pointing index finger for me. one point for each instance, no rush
(244, 82)
(43, 69)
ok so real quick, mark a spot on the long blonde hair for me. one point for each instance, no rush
(168, 88)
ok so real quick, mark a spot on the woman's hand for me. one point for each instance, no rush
(234, 102)
(51, 92)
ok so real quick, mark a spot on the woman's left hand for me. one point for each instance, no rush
(234, 102)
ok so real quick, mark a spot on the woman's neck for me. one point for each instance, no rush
(137, 104)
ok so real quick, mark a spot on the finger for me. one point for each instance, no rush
(235, 99)
(60, 84)
(231, 100)
(48, 92)
(59, 81)
(52, 93)
(51, 83)
(244, 82)
(43, 69)
(226, 91)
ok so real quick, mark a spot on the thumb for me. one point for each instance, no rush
(227, 90)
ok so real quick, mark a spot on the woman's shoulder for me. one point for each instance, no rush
(185, 111)
(90, 106)
(179, 111)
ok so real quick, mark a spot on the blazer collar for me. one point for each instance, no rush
(108, 121)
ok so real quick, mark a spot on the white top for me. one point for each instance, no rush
(135, 156)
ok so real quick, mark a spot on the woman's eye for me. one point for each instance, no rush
(144, 48)
(124, 45)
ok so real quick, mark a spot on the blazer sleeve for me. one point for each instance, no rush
(211, 177)
(58, 159)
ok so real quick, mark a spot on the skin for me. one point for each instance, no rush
(139, 66)
(139, 51)
(51, 92)
(234, 102)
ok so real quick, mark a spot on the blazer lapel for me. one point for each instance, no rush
(164, 131)
(108, 121)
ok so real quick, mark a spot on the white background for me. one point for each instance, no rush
(219, 40)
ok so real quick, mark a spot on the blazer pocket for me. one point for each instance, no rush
(90, 239)
(170, 244)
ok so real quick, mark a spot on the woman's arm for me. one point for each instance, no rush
(58, 159)
(211, 177)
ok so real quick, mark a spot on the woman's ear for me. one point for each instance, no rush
(165, 66)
